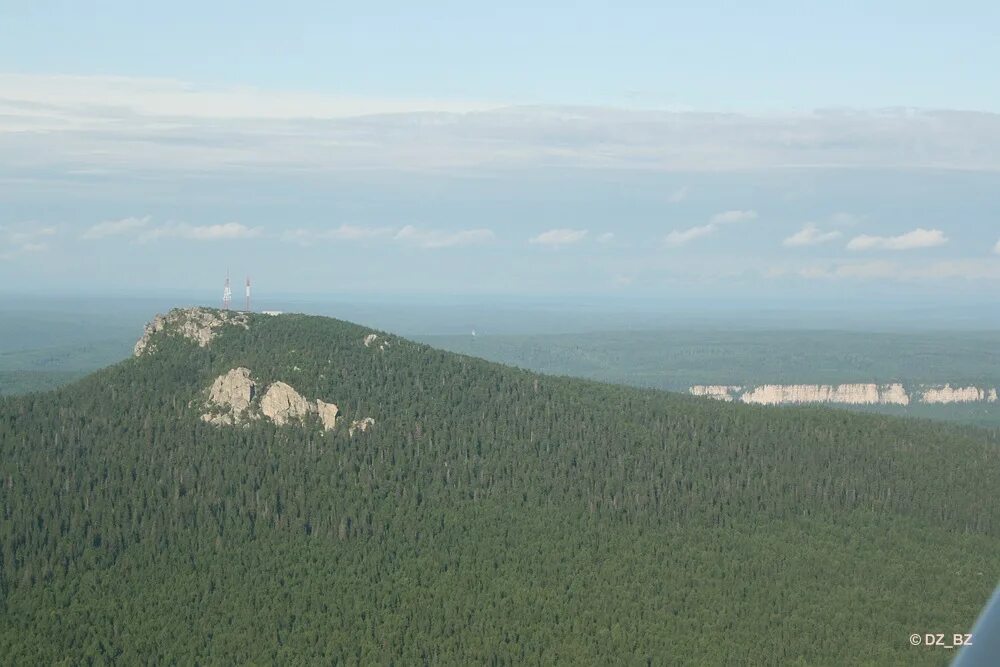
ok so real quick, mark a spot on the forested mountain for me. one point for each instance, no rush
(489, 516)
(677, 359)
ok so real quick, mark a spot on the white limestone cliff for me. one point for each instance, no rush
(949, 394)
(719, 392)
(846, 394)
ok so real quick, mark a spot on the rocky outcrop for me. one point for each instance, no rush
(376, 340)
(281, 403)
(949, 394)
(327, 413)
(229, 397)
(233, 399)
(846, 394)
(719, 392)
(360, 425)
(200, 325)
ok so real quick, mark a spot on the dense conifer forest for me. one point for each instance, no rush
(491, 516)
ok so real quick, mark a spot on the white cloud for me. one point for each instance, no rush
(181, 99)
(408, 234)
(114, 124)
(24, 240)
(843, 219)
(606, 237)
(996, 248)
(345, 232)
(116, 227)
(728, 217)
(622, 280)
(220, 232)
(809, 235)
(918, 238)
(678, 195)
(558, 237)
(891, 271)
(432, 238)
(682, 236)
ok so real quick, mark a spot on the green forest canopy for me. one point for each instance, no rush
(492, 515)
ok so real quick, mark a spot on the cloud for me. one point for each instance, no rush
(843, 219)
(345, 232)
(810, 235)
(918, 238)
(728, 217)
(678, 195)
(432, 238)
(558, 237)
(220, 232)
(890, 271)
(408, 234)
(24, 239)
(606, 237)
(622, 280)
(996, 248)
(118, 124)
(682, 236)
(116, 227)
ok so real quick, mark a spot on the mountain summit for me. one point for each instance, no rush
(255, 488)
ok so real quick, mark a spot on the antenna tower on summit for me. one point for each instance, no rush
(248, 295)
(227, 294)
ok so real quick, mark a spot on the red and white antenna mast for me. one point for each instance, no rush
(248, 294)
(227, 294)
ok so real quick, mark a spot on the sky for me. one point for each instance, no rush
(770, 152)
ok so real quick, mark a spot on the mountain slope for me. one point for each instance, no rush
(489, 515)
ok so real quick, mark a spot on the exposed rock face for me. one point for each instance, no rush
(197, 324)
(281, 403)
(850, 394)
(720, 392)
(327, 414)
(361, 425)
(949, 394)
(233, 393)
(373, 339)
(232, 399)
(847, 394)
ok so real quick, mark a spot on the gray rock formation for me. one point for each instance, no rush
(282, 403)
(233, 399)
(200, 325)
(373, 339)
(361, 425)
(230, 396)
(327, 414)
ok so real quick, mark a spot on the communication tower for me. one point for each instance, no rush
(227, 294)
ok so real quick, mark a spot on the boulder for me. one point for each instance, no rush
(282, 403)
(231, 393)
(327, 413)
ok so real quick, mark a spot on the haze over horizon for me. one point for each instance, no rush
(636, 154)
